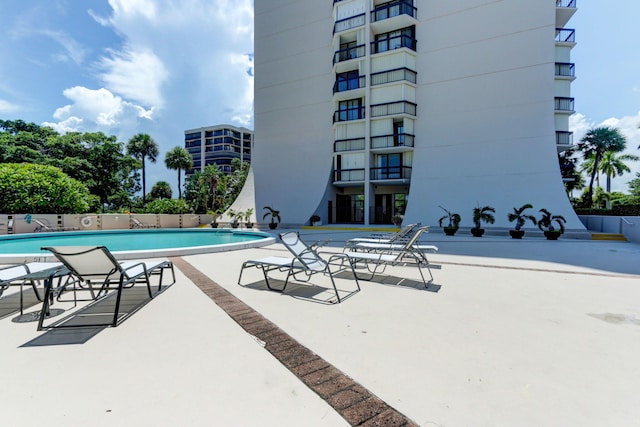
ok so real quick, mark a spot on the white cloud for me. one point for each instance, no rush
(628, 127)
(8, 108)
(95, 110)
(136, 74)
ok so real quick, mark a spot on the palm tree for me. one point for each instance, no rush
(161, 190)
(142, 146)
(613, 165)
(178, 158)
(595, 143)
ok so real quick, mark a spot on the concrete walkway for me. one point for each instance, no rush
(524, 333)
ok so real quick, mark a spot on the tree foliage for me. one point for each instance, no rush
(594, 144)
(178, 158)
(95, 159)
(142, 146)
(211, 190)
(32, 188)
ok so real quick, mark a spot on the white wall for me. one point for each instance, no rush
(485, 131)
(293, 109)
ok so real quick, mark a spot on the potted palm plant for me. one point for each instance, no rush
(215, 214)
(546, 221)
(235, 217)
(453, 222)
(247, 217)
(275, 215)
(520, 217)
(480, 215)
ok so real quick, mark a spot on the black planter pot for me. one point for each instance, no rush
(552, 234)
(516, 234)
(450, 231)
(477, 232)
(249, 225)
(273, 225)
(214, 225)
(235, 224)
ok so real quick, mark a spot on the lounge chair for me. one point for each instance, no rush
(97, 271)
(377, 259)
(28, 273)
(45, 227)
(305, 263)
(400, 236)
(385, 247)
(136, 223)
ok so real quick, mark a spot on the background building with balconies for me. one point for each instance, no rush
(430, 103)
(218, 145)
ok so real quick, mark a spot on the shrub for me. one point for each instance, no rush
(166, 206)
(33, 188)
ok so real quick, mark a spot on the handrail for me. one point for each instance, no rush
(626, 221)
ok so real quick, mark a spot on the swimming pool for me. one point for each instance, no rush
(128, 244)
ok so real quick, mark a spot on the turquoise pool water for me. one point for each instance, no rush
(156, 241)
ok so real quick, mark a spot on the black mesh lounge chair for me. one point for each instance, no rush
(305, 263)
(376, 259)
(98, 272)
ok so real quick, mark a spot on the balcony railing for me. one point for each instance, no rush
(394, 9)
(564, 138)
(390, 108)
(564, 104)
(353, 113)
(348, 53)
(342, 175)
(390, 141)
(390, 172)
(392, 43)
(348, 23)
(393, 76)
(559, 3)
(565, 35)
(565, 69)
(349, 84)
(352, 144)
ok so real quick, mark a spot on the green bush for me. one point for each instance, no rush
(166, 206)
(32, 188)
(616, 210)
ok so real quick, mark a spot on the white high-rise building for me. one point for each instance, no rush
(365, 109)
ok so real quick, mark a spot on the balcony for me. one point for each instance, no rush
(566, 70)
(565, 36)
(349, 84)
(392, 43)
(352, 144)
(396, 75)
(348, 175)
(564, 11)
(564, 138)
(392, 108)
(392, 141)
(349, 53)
(353, 113)
(392, 15)
(390, 172)
(564, 105)
(349, 23)
(389, 10)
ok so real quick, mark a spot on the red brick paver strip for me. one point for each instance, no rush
(351, 400)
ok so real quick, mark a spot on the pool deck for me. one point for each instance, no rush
(511, 333)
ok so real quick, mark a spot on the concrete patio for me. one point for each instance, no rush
(524, 333)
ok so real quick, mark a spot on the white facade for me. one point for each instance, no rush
(454, 103)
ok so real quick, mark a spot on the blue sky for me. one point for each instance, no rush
(163, 66)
